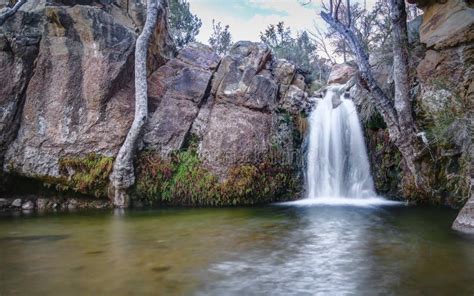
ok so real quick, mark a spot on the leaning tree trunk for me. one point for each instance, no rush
(123, 175)
(11, 11)
(380, 100)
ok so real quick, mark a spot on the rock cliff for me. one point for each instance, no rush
(442, 56)
(67, 101)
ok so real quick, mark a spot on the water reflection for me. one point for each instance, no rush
(288, 250)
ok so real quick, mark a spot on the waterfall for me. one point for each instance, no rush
(337, 162)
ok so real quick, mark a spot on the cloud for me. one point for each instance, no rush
(252, 16)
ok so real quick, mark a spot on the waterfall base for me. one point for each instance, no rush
(342, 201)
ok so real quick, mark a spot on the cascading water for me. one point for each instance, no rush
(337, 163)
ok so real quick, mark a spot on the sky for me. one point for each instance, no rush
(247, 18)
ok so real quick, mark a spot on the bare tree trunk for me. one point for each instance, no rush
(397, 116)
(11, 11)
(379, 98)
(123, 175)
(407, 142)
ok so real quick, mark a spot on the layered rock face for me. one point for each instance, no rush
(240, 114)
(446, 75)
(230, 107)
(68, 101)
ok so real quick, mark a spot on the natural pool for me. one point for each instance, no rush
(312, 250)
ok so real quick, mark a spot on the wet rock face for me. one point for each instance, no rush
(80, 99)
(85, 105)
(243, 125)
(16, 65)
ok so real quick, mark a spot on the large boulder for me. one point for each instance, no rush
(80, 97)
(240, 122)
(176, 93)
(341, 73)
(465, 219)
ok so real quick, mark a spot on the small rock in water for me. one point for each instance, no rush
(72, 204)
(16, 203)
(336, 101)
(29, 205)
(41, 203)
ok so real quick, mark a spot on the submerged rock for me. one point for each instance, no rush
(465, 220)
(4, 203)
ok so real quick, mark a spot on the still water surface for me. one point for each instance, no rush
(274, 250)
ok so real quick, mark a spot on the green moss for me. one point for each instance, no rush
(87, 175)
(375, 122)
(182, 180)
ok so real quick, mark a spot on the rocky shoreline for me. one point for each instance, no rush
(31, 203)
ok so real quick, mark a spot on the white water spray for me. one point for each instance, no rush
(338, 166)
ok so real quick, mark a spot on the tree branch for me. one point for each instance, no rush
(11, 11)
(379, 98)
(336, 12)
(348, 13)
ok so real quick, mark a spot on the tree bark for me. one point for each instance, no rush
(407, 142)
(379, 98)
(123, 175)
(397, 115)
(11, 11)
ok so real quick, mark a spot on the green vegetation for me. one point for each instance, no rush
(220, 39)
(184, 26)
(300, 50)
(375, 122)
(88, 175)
(182, 180)
(439, 133)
